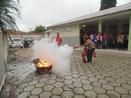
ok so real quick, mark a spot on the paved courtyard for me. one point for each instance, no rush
(109, 76)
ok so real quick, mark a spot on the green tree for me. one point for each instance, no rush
(8, 11)
(105, 4)
(40, 29)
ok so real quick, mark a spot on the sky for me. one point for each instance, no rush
(49, 12)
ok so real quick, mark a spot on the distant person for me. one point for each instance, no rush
(95, 39)
(125, 44)
(58, 39)
(90, 49)
(120, 41)
(84, 52)
(92, 37)
(99, 40)
(105, 37)
(110, 41)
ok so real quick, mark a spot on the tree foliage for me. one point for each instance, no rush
(9, 9)
(40, 29)
(105, 4)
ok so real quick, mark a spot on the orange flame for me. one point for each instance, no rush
(42, 63)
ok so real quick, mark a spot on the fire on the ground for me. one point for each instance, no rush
(42, 65)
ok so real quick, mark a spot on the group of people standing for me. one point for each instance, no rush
(102, 41)
(109, 41)
(95, 41)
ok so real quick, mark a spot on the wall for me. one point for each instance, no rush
(129, 43)
(69, 34)
(3, 56)
(23, 36)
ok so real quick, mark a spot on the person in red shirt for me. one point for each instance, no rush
(58, 39)
(105, 37)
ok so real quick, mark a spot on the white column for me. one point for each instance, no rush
(100, 26)
(129, 39)
(5, 46)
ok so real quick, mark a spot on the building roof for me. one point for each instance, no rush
(109, 11)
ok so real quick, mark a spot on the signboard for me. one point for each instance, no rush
(63, 29)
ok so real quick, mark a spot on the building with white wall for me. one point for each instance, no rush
(111, 21)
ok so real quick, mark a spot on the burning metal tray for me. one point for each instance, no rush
(42, 66)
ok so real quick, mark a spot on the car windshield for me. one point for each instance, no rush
(16, 40)
(28, 39)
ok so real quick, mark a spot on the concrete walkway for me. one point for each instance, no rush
(109, 76)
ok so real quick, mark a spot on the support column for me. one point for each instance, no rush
(100, 26)
(5, 46)
(129, 38)
(1, 49)
(2, 65)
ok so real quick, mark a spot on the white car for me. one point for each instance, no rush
(16, 43)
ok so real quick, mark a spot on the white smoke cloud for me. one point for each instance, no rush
(59, 57)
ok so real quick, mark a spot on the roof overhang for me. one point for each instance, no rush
(117, 12)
